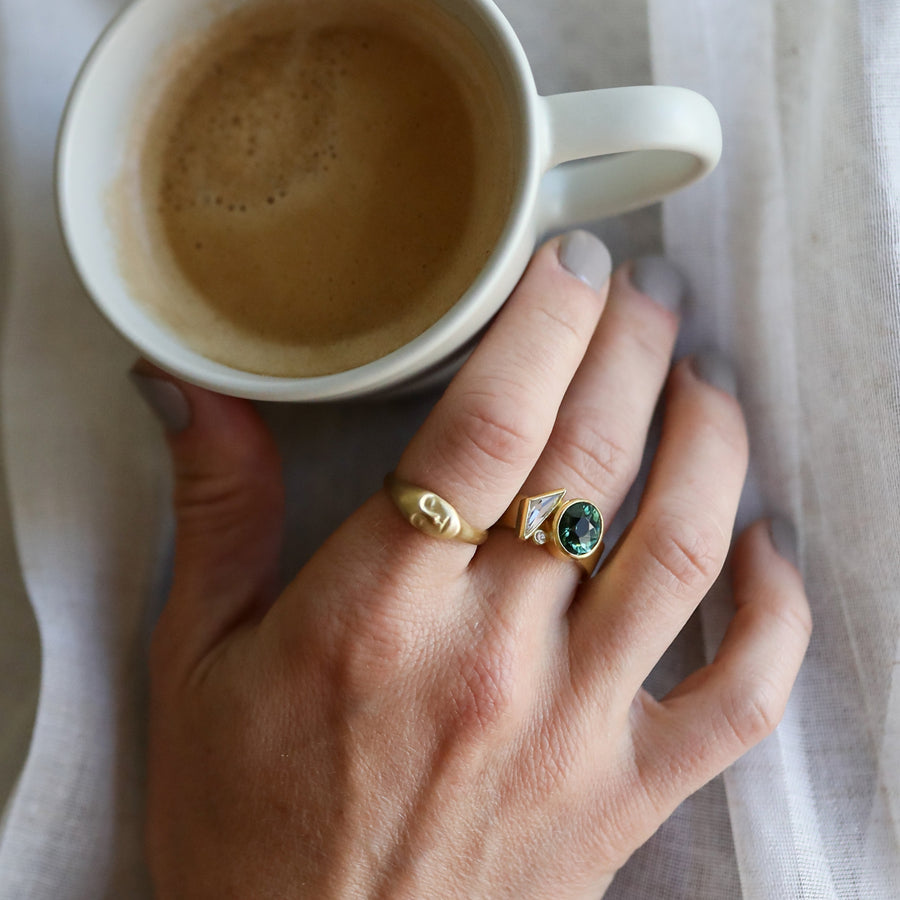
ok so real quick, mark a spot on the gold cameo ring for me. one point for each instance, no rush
(569, 529)
(431, 514)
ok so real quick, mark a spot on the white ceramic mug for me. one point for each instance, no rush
(584, 156)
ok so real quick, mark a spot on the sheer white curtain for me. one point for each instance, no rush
(792, 251)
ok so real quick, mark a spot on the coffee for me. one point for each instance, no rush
(318, 182)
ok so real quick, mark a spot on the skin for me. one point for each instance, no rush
(414, 718)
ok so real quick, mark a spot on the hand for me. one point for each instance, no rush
(416, 718)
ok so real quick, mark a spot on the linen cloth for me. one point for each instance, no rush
(792, 251)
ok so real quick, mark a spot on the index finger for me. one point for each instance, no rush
(486, 433)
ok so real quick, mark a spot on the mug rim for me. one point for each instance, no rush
(400, 366)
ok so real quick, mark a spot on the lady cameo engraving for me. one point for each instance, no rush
(435, 517)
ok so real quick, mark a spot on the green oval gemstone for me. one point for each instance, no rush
(580, 528)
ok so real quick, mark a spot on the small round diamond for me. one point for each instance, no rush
(540, 537)
(579, 528)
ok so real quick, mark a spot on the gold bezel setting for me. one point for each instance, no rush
(541, 520)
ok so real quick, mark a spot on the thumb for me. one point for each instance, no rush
(229, 511)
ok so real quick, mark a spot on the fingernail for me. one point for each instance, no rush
(164, 397)
(586, 257)
(713, 368)
(656, 277)
(784, 539)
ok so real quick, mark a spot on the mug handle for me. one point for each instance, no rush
(617, 149)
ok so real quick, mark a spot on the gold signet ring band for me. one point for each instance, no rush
(431, 514)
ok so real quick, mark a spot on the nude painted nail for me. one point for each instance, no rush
(714, 368)
(661, 281)
(166, 400)
(784, 539)
(586, 257)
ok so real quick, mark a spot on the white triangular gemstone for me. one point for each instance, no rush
(539, 509)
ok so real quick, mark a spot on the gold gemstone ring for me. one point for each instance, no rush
(569, 529)
(431, 514)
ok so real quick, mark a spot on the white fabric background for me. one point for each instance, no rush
(792, 250)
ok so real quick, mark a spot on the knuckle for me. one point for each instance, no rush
(796, 620)
(370, 645)
(652, 336)
(488, 697)
(726, 427)
(370, 664)
(250, 459)
(561, 321)
(688, 555)
(220, 500)
(495, 428)
(752, 711)
(592, 452)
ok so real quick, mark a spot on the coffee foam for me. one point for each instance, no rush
(304, 199)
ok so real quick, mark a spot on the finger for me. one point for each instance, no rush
(483, 437)
(679, 539)
(723, 709)
(229, 510)
(597, 443)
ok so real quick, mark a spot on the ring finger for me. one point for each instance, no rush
(597, 442)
